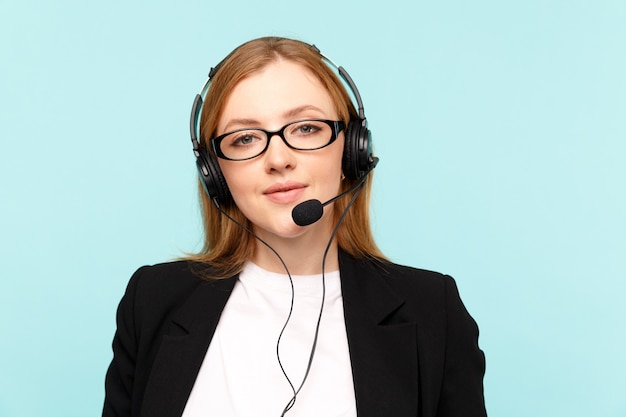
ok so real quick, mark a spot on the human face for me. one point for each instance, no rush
(267, 187)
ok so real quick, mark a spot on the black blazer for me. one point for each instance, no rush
(413, 346)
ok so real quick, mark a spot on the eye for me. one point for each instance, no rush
(305, 128)
(245, 138)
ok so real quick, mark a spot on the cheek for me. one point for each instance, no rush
(329, 171)
(336, 158)
(235, 177)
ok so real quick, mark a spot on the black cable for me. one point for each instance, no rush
(293, 294)
(292, 401)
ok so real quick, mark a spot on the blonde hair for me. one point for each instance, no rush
(227, 246)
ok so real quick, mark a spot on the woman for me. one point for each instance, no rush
(289, 311)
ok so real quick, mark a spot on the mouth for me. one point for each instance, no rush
(284, 193)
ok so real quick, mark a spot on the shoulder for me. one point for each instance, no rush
(424, 281)
(173, 275)
(431, 294)
(154, 289)
(163, 278)
(422, 292)
(397, 276)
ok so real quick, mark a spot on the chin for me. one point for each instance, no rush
(290, 232)
(284, 230)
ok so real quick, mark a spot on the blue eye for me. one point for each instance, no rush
(245, 138)
(306, 128)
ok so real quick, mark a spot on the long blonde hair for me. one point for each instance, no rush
(227, 246)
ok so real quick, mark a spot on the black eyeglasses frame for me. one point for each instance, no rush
(336, 127)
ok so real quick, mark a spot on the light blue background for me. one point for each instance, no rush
(501, 130)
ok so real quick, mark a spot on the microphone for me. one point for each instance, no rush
(310, 211)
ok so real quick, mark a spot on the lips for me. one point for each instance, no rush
(285, 192)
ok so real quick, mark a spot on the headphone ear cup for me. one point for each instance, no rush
(212, 178)
(357, 150)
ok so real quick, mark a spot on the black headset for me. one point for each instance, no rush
(357, 158)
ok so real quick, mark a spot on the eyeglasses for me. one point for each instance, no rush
(302, 135)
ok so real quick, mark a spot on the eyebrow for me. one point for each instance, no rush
(287, 115)
(301, 109)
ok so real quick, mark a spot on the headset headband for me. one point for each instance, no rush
(198, 104)
(357, 159)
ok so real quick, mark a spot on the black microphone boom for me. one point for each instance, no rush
(310, 211)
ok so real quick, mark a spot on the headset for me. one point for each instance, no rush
(357, 159)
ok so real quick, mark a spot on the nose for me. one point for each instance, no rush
(279, 156)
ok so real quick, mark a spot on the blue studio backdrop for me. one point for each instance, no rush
(501, 131)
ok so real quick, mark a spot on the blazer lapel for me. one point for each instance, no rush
(182, 351)
(383, 347)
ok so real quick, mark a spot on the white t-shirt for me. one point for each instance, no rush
(240, 375)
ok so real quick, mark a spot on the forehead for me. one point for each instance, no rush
(271, 95)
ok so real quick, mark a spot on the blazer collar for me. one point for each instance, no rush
(381, 339)
(182, 351)
(383, 347)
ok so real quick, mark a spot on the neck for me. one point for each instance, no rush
(303, 255)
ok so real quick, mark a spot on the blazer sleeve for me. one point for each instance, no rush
(462, 391)
(121, 373)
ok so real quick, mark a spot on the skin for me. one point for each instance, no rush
(267, 187)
